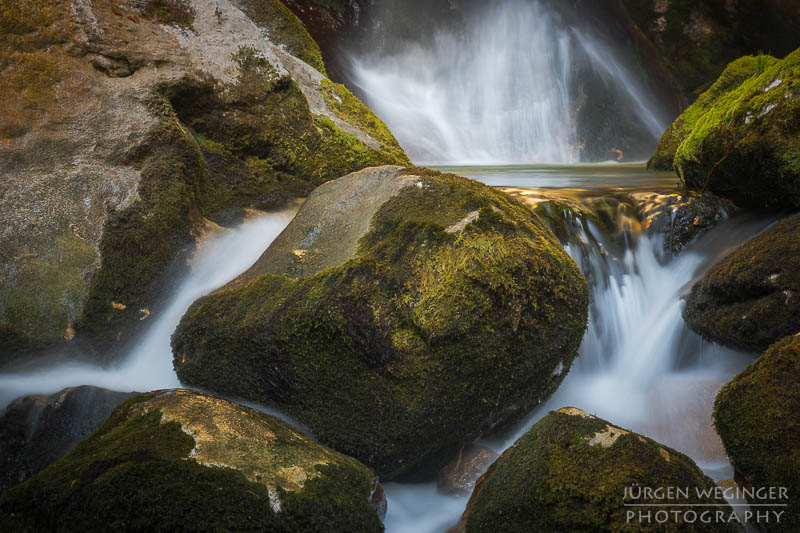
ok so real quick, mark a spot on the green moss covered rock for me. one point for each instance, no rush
(732, 77)
(179, 460)
(756, 415)
(125, 126)
(574, 472)
(400, 313)
(746, 147)
(751, 299)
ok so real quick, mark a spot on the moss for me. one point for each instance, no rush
(756, 417)
(220, 149)
(423, 339)
(352, 110)
(45, 295)
(284, 29)
(570, 472)
(732, 77)
(751, 299)
(138, 473)
(739, 149)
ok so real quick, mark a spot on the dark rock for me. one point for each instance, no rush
(575, 472)
(459, 475)
(178, 460)
(756, 414)
(680, 218)
(401, 313)
(751, 299)
(36, 431)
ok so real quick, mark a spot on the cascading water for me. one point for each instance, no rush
(639, 366)
(503, 89)
(149, 365)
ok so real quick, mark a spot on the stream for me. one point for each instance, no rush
(639, 366)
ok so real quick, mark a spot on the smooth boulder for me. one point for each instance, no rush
(751, 298)
(36, 431)
(402, 312)
(183, 460)
(574, 472)
(757, 415)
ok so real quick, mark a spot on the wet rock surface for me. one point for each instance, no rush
(172, 460)
(458, 477)
(36, 431)
(401, 313)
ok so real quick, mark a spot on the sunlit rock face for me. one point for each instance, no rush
(401, 312)
(168, 459)
(124, 126)
(575, 472)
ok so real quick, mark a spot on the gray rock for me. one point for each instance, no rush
(36, 431)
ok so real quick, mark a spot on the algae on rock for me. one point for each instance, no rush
(400, 313)
(751, 299)
(746, 147)
(123, 126)
(171, 460)
(574, 472)
(756, 415)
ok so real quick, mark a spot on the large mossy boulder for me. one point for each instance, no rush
(746, 147)
(183, 460)
(125, 125)
(36, 431)
(574, 472)
(757, 416)
(400, 313)
(751, 299)
(732, 77)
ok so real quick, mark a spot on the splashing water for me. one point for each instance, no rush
(638, 366)
(502, 91)
(149, 365)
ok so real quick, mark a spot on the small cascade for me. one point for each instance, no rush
(149, 365)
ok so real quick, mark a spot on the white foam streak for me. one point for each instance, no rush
(149, 365)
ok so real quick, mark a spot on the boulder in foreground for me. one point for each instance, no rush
(574, 472)
(178, 460)
(401, 313)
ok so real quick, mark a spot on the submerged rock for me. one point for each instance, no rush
(172, 460)
(574, 472)
(679, 218)
(401, 313)
(36, 431)
(756, 415)
(458, 477)
(746, 147)
(124, 126)
(751, 299)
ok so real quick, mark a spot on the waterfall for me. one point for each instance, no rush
(513, 84)
(639, 366)
(149, 365)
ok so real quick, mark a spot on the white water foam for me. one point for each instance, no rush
(149, 365)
